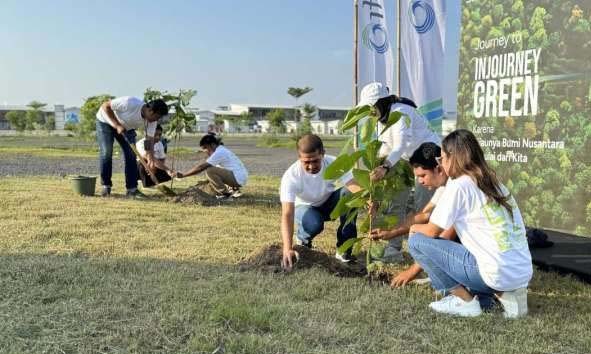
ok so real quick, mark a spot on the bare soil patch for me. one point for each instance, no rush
(268, 259)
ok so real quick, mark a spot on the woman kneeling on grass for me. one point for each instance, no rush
(493, 258)
(223, 169)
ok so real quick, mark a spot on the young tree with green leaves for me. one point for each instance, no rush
(180, 118)
(35, 116)
(375, 197)
(276, 120)
(296, 93)
(306, 125)
(88, 111)
(17, 120)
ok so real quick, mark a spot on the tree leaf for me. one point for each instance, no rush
(393, 118)
(357, 202)
(372, 150)
(376, 250)
(354, 116)
(367, 130)
(364, 227)
(351, 216)
(339, 167)
(362, 177)
(341, 207)
(348, 244)
(348, 145)
(356, 249)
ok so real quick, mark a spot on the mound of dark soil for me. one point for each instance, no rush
(195, 195)
(268, 259)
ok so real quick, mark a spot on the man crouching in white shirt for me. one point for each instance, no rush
(308, 198)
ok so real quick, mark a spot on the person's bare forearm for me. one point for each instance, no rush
(287, 231)
(287, 218)
(415, 268)
(196, 169)
(430, 230)
(159, 163)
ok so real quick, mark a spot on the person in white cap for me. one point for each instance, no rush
(398, 142)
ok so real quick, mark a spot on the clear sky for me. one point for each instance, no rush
(232, 51)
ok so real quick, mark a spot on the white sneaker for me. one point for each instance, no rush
(514, 302)
(453, 305)
(344, 258)
(236, 193)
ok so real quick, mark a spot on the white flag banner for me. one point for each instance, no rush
(422, 37)
(376, 62)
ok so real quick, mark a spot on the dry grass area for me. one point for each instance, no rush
(92, 275)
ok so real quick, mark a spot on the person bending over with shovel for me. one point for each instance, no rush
(117, 119)
(225, 172)
(308, 198)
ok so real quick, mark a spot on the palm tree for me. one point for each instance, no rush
(297, 92)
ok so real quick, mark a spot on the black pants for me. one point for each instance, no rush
(161, 176)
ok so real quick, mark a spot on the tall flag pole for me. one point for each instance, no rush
(355, 65)
(398, 28)
(422, 51)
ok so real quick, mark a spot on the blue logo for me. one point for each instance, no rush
(422, 16)
(375, 37)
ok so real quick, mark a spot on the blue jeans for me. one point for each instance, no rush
(309, 220)
(449, 265)
(105, 135)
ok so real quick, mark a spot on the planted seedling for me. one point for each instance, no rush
(375, 195)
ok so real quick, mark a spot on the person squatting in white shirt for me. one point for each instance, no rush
(225, 172)
(307, 199)
(493, 258)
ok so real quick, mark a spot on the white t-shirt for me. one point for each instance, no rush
(437, 195)
(402, 139)
(224, 158)
(487, 230)
(303, 188)
(129, 112)
(158, 149)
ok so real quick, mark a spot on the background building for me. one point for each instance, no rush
(252, 118)
(57, 111)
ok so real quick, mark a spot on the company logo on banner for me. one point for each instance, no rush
(376, 61)
(421, 15)
(375, 37)
(422, 44)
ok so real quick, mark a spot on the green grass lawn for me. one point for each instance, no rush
(66, 146)
(92, 275)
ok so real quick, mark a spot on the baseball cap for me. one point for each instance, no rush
(371, 93)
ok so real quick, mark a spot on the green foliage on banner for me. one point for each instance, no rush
(378, 194)
(553, 187)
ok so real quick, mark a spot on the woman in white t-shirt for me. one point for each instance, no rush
(223, 169)
(493, 258)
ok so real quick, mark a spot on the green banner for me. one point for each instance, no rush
(524, 90)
